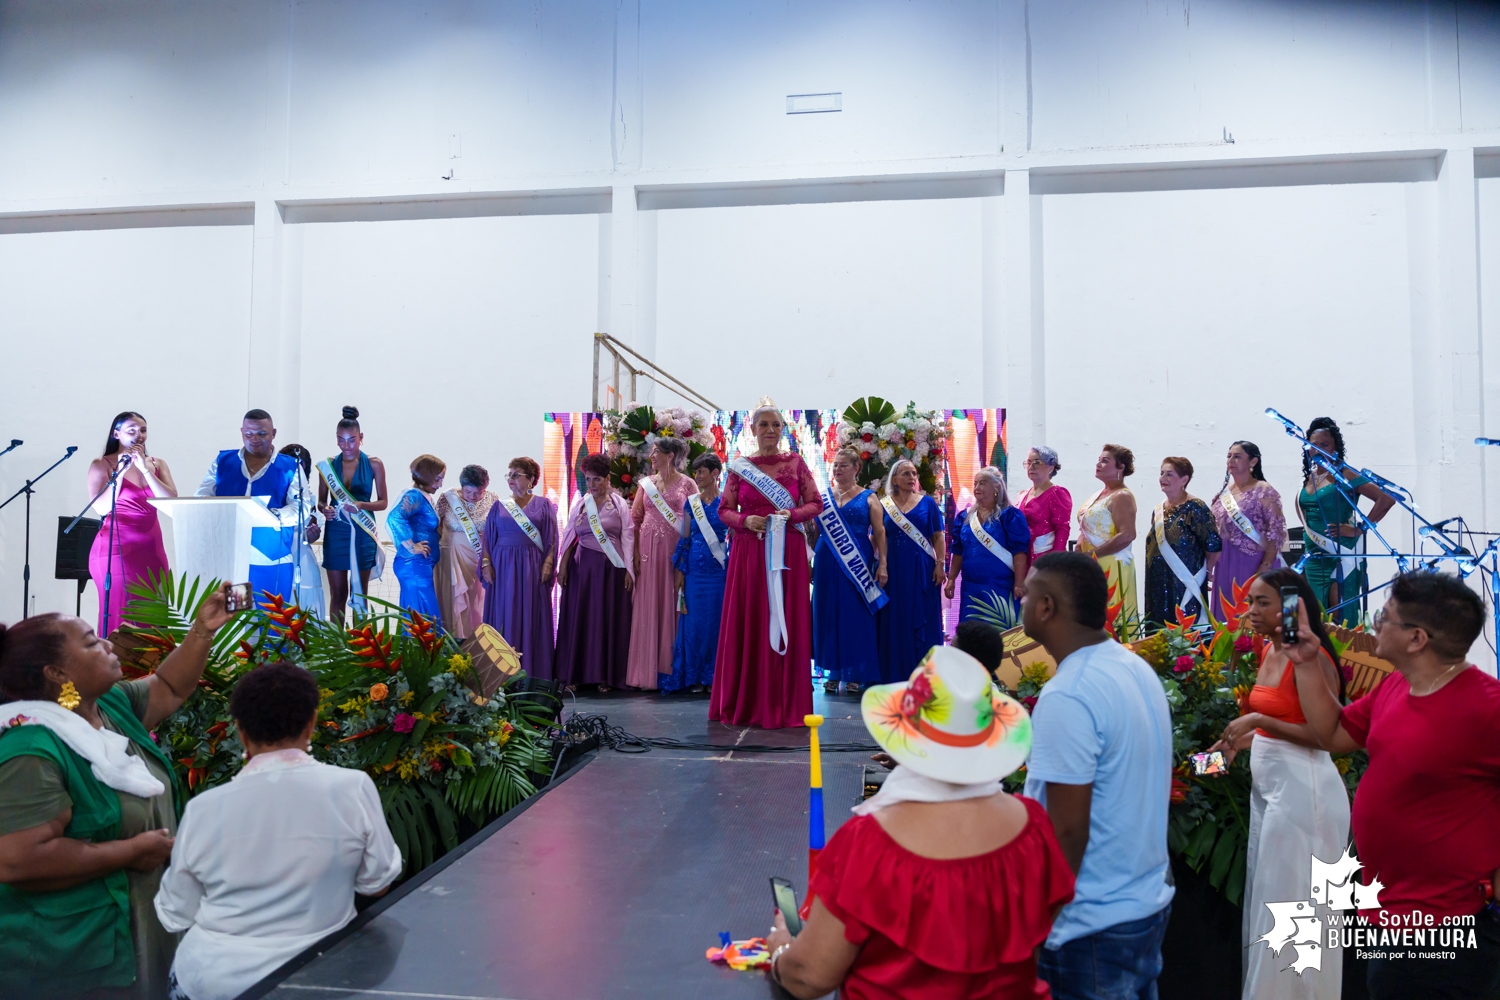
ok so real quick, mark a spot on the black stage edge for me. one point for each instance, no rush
(611, 882)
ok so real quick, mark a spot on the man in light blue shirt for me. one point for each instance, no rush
(1101, 762)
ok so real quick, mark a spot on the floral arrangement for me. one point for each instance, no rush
(1206, 674)
(399, 702)
(629, 433)
(872, 427)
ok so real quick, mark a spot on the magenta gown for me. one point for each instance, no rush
(138, 551)
(655, 599)
(754, 685)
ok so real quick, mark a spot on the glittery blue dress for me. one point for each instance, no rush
(984, 577)
(912, 623)
(696, 646)
(412, 520)
(844, 643)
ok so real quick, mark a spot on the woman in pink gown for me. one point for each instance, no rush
(754, 684)
(655, 615)
(138, 552)
(1047, 506)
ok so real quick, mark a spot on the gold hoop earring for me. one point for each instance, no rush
(68, 697)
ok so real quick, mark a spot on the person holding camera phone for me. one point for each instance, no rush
(1298, 805)
(1427, 807)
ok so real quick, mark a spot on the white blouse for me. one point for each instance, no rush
(269, 864)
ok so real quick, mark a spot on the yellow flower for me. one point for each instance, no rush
(356, 704)
(459, 663)
(407, 697)
(1342, 763)
(407, 767)
(501, 734)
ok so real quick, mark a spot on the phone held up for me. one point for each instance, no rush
(1209, 763)
(1289, 599)
(239, 598)
(785, 898)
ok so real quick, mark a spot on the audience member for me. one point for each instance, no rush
(1427, 808)
(941, 885)
(982, 641)
(1101, 763)
(1299, 808)
(269, 863)
(87, 807)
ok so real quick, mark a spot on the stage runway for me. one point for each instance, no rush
(612, 883)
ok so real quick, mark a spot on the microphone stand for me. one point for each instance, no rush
(109, 563)
(28, 490)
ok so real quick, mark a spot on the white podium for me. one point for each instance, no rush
(211, 535)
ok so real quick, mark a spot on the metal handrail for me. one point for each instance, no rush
(622, 355)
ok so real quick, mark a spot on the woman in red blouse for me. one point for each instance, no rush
(1047, 506)
(942, 886)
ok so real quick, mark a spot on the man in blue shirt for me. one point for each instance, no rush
(256, 470)
(1101, 762)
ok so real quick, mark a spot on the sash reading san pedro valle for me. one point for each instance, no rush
(362, 518)
(461, 511)
(841, 541)
(780, 498)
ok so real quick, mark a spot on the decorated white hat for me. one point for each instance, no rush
(949, 721)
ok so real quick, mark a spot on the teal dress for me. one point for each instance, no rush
(1327, 506)
(336, 536)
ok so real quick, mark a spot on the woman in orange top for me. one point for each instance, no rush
(1299, 808)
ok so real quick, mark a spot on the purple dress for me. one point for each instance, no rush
(517, 605)
(1261, 505)
(138, 551)
(594, 619)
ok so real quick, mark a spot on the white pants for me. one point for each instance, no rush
(1298, 808)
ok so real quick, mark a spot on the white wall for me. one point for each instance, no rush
(1089, 315)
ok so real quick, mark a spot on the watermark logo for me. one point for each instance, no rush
(1297, 922)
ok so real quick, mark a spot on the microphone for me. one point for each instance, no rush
(72, 448)
(1479, 441)
(14, 444)
(1271, 412)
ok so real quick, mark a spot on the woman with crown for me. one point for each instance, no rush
(764, 672)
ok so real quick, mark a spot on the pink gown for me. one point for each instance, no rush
(754, 685)
(138, 551)
(655, 617)
(1048, 513)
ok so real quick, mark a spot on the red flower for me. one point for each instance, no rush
(437, 765)
(1029, 702)
(1243, 643)
(1184, 664)
(1179, 790)
(404, 723)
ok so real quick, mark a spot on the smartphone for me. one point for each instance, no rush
(239, 598)
(785, 898)
(1209, 763)
(1289, 599)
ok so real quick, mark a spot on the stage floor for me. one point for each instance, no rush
(615, 881)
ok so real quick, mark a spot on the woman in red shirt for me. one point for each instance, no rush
(1299, 807)
(942, 885)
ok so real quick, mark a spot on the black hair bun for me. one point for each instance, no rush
(351, 413)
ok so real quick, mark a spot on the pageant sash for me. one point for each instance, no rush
(1232, 508)
(776, 494)
(1349, 563)
(461, 511)
(775, 583)
(1043, 545)
(591, 511)
(700, 515)
(988, 541)
(522, 521)
(841, 541)
(907, 528)
(660, 503)
(1192, 582)
(359, 516)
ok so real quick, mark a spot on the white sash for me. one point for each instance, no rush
(776, 494)
(907, 528)
(700, 515)
(1232, 508)
(366, 521)
(522, 521)
(1191, 582)
(841, 541)
(461, 511)
(775, 587)
(591, 511)
(1043, 544)
(988, 541)
(1350, 560)
(660, 503)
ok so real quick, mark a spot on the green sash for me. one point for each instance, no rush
(74, 939)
